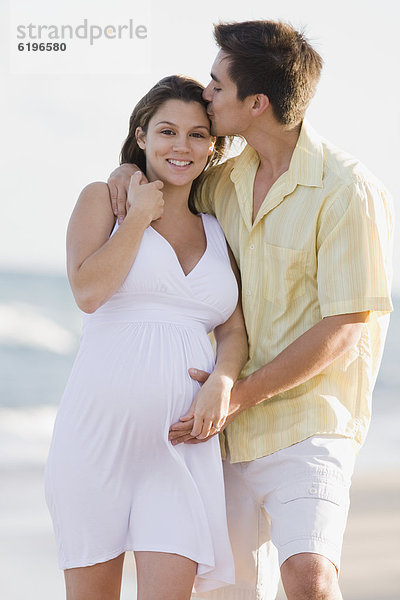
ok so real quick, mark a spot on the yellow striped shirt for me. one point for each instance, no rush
(321, 245)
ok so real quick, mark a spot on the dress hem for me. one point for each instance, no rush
(201, 579)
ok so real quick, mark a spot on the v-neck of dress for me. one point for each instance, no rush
(175, 254)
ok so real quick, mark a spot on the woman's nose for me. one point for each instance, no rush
(181, 144)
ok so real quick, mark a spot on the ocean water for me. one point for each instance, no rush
(39, 335)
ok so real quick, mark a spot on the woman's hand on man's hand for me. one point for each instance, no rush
(145, 200)
(208, 414)
(118, 184)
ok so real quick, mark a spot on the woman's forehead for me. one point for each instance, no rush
(179, 111)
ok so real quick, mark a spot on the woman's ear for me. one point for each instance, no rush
(212, 145)
(140, 138)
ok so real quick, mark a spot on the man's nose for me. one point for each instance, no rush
(207, 93)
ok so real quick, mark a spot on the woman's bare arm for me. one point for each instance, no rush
(97, 264)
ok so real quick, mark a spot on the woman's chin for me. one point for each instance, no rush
(180, 180)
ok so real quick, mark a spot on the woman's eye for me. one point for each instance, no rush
(196, 134)
(167, 132)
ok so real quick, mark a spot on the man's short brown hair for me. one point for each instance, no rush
(271, 58)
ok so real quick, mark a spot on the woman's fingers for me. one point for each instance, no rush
(219, 423)
(205, 430)
(197, 426)
(204, 427)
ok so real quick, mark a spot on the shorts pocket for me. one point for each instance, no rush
(285, 270)
(310, 514)
(312, 489)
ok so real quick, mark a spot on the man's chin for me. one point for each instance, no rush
(218, 132)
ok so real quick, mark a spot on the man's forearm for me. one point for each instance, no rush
(307, 356)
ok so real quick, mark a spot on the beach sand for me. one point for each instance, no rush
(371, 553)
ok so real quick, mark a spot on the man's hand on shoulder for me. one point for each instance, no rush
(118, 184)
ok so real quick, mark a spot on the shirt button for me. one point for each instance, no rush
(248, 292)
(251, 246)
(313, 490)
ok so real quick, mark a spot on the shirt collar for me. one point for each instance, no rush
(306, 165)
(247, 159)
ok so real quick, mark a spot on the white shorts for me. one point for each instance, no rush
(295, 500)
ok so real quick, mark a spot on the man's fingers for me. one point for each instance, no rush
(121, 204)
(114, 197)
(199, 375)
(121, 210)
(183, 424)
(182, 440)
(176, 433)
(197, 441)
(177, 430)
(189, 439)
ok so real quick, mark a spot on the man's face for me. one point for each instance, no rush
(228, 114)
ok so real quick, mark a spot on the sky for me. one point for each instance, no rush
(64, 116)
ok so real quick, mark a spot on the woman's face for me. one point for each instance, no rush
(177, 142)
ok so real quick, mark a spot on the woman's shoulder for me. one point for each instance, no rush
(94, 203)
(95, 189)
(95, 195)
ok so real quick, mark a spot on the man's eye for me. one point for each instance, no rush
(217, 89)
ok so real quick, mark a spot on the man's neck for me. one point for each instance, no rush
(275, 145)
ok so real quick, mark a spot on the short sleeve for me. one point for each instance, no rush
(354, 249)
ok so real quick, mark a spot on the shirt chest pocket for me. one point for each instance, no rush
(285, 273)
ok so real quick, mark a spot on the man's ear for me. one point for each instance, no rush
(140, 138)
(260, 104)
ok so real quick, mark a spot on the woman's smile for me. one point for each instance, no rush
(181, 164)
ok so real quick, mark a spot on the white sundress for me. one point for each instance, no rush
(113, 481)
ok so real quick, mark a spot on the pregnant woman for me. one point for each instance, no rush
(152, 288)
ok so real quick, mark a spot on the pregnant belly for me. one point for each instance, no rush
(137, 372)
(129, 383)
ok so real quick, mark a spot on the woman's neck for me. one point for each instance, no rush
(176, 200)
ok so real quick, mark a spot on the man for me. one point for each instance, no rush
(311, 231)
